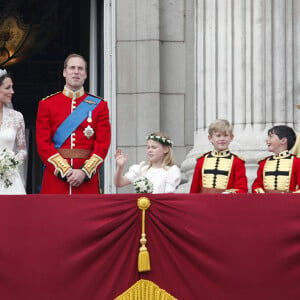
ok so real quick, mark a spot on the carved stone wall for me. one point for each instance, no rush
(247, 71)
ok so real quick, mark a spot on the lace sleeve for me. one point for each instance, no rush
(21, 151)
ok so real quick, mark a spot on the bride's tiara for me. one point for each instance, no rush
(2, 72)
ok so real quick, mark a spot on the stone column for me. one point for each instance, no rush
(154, 68)
(247, 71)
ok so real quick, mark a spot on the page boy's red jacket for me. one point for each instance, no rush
(221, 172)
(278, 173)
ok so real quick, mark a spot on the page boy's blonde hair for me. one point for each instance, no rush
(220, 125)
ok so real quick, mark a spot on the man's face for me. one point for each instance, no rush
(75, 73)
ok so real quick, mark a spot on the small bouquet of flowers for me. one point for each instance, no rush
(143, 185)
(8, 167)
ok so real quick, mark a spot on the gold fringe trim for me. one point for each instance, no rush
(144, 256)
(145, 290)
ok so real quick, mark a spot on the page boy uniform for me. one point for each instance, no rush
(219, 171)
(278, 174)
(72, 131)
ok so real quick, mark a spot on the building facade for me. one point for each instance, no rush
(152, 76)
(180, 64)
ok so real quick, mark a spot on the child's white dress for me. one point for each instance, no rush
(164, 180)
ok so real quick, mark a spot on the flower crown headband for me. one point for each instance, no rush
(160, 139)
(2, 72)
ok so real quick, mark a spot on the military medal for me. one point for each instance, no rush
(89, 119)
(88, 131)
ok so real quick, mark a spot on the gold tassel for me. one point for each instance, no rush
(144, 256)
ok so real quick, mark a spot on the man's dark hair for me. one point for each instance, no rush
(283, 131)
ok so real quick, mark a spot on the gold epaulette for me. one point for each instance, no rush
(47, 97)
(96, 96)
(201, 155)
(240, 157)
(263, 158)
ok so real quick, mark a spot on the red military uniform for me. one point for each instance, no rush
(219, 172)
(85, 148)
(278, 173)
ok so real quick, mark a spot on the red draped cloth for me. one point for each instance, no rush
(201, 246)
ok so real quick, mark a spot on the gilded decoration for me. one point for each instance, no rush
(61, 165)
(145, 290)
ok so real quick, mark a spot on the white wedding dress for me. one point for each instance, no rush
(12, 137)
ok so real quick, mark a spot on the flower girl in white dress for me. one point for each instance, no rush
(160, 175)
(12, 138)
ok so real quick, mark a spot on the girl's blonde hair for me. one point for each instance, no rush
(165, 140)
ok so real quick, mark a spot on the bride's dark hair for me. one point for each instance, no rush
(3, 74)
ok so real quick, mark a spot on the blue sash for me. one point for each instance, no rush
(70, 124)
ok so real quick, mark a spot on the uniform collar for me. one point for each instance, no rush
(220, 153)
(69, 93)
(282, 154)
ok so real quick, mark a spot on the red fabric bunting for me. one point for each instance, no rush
(201, 246)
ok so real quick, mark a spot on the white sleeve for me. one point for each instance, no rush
(135, 171)
(173, 179)
(21, 151)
